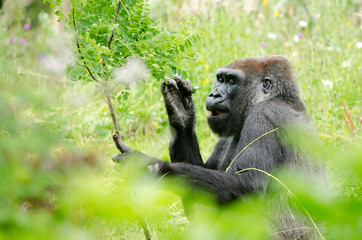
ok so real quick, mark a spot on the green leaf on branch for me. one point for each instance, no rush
(129, 33)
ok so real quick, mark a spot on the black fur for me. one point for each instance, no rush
(251, 97)
(255, 95)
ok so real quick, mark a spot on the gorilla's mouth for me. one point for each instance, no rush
(215, 113)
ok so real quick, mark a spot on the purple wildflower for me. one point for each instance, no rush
(41, 56)
(22, 41)
(300, 35)
(263, 44)
(26, 27)
(12, 40)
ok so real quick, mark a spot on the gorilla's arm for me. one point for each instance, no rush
(180, 109)
(225, 186)
(185, 147)
(262, 154)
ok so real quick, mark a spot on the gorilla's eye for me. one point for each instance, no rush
(220, 79)
(232, 80)
(267, 84)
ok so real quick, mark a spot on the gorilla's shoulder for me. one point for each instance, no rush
(280, 112)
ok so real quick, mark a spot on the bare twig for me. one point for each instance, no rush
(110, 105)
(89, 71)
(123, 148)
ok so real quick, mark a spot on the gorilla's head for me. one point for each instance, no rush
(243, 84)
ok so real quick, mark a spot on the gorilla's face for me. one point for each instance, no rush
(221, 102)
(238, 87)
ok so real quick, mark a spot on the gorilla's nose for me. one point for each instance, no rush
(215, 94)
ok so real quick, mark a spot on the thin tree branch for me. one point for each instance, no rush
(116, 19)
(80, 52)
(121, 146)
(110, 105)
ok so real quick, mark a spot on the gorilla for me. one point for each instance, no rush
(253, 102)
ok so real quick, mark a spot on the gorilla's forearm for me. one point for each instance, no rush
(185, 147)
(226, 186)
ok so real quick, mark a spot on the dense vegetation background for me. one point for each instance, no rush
(57, 180)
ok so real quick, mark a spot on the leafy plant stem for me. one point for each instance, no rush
(105, 91)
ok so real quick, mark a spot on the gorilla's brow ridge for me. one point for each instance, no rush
(230, 72)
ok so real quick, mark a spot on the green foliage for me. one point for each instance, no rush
(34, 162)
(133, 33)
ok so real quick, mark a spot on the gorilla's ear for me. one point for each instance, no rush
(267, 85)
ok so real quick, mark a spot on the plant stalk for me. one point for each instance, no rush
(123, 148)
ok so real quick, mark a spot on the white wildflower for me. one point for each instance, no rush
(61, 54)
(272, 36)
(330, 48)
(55, 64)
(303, 23)
(295, 54)
(296, 38)
(327, 83)
(359, 45)
(346, 64)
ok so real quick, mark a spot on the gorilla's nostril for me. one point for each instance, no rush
(216, 95)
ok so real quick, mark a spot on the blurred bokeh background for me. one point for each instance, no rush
(57, 178)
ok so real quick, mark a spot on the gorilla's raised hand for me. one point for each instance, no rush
(179, 103)
(181, 113)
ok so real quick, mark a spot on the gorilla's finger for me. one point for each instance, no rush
(163, 86)
(118, 157)
(177, 78)
(172, 83)
(187, 86)
(179, 81)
